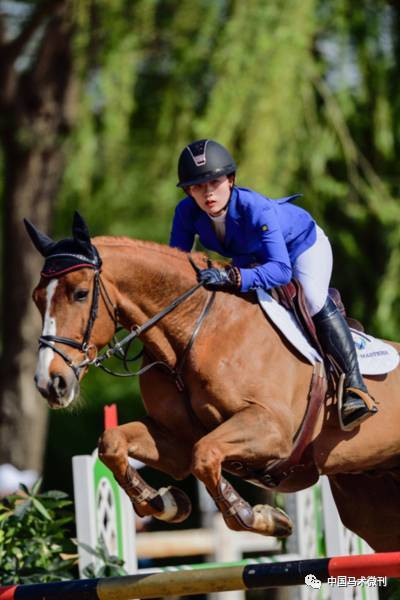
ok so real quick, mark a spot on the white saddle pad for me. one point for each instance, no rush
(375, 357)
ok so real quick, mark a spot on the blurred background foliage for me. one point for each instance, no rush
(304, 94)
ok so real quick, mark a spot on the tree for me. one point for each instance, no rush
(350, 154)
(37, 108)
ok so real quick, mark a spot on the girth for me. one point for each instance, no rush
(281, 469)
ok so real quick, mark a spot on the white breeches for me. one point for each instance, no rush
(313, 269)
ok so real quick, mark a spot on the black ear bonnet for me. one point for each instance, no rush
(65, 255)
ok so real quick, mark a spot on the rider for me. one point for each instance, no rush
(270, 242)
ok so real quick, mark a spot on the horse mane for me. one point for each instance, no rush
(163, 249)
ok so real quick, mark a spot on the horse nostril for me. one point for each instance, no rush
(59, 384)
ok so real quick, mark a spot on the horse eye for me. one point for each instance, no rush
(81, 295)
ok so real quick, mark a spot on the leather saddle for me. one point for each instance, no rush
(291, 296)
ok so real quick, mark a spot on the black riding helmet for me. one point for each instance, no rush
(202, 161)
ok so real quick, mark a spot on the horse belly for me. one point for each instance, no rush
(376, 442)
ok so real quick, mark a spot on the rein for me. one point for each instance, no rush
(175, 372)
(117, 349)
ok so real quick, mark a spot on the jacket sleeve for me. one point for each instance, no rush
(274, 267)
(182, 232)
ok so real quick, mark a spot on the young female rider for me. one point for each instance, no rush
(270, 242)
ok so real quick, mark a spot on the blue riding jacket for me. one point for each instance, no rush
(263, 237)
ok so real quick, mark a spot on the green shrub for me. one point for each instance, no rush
(34, 537)
(35, 542)
(104, 565)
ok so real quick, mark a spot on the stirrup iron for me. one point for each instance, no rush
(368, 410)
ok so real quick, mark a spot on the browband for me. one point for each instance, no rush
(56, 265)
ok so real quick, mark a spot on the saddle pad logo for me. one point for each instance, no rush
(360, 342)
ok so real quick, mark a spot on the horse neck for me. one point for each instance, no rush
(147, 278)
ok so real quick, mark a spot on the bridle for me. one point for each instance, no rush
(117, 348)
(83, 346)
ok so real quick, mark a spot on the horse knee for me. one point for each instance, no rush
(206, 462)
(112, 448)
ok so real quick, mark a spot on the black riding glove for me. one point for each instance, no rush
(219, 278)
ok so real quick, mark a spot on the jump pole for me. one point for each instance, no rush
(207, 580)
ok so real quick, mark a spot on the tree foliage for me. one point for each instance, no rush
(37, 98)
(304, 94)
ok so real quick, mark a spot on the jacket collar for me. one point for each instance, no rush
(232, 222)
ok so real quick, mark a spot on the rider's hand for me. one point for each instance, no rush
(219, 278)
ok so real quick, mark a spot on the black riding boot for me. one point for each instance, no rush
(336, 340)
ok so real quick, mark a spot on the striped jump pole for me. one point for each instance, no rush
(208, 580)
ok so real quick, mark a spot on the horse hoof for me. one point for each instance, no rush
(176, 505)
(271, 521)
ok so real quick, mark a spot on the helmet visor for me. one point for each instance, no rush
(208, 176)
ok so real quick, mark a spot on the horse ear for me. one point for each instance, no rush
(80, 230)
(42, 242)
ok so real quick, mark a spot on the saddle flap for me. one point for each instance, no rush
(291, 296)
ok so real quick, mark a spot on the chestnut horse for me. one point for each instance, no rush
(237, 399)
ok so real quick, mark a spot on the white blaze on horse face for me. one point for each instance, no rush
(46, 354)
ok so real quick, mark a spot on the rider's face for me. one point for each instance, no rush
(212, 196)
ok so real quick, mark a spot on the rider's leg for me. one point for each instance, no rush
(313, 269)
(335, 337)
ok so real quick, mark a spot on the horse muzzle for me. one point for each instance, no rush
(58, 389)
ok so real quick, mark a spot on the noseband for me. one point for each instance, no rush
(84, 346)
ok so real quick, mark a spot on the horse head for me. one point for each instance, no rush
(75, 324)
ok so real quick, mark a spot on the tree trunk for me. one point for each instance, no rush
(37, 107)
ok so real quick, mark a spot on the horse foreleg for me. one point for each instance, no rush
(250, 436)
(137, 440)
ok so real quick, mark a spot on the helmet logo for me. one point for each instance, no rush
(199, 154)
